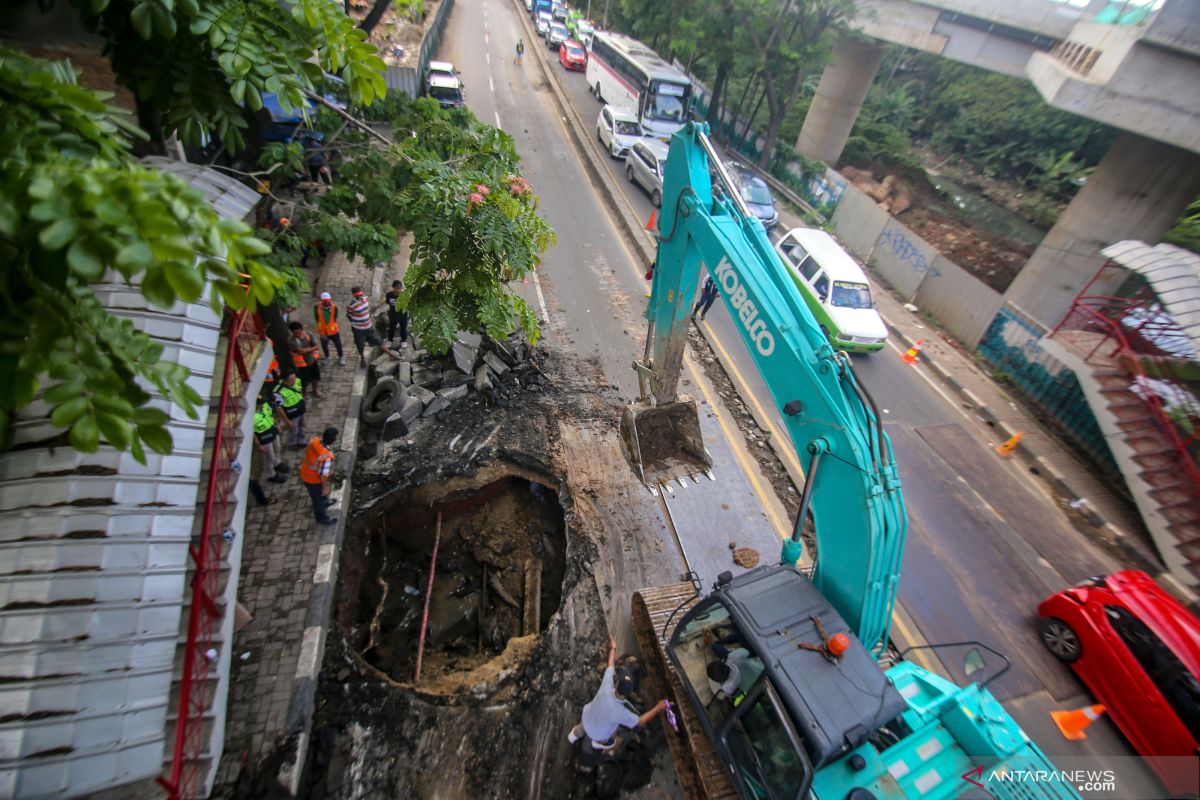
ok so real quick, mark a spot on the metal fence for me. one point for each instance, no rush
(408, 79)
(1012, 345)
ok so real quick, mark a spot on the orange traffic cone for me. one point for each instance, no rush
(652, 223)
(910, 357)
(1007, 448)
(1073, 723)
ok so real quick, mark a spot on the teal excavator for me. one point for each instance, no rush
(779, 673)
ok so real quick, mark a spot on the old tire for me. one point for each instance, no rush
(1060, 639)
(381, 401)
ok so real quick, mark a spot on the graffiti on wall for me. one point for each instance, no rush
(907, 252)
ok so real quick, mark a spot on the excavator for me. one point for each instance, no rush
(782, 677)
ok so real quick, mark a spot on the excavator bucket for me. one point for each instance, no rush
(663, 442)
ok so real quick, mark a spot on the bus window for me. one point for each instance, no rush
(667, 102)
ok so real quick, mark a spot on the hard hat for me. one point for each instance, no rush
(284, 221)
(838, 644)
(326, 296)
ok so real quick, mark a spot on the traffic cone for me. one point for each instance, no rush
(652, 223)
(910, 356)
(1007, 448)
(1072, 723)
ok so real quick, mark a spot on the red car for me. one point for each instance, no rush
(572, 55)
(1138, 650)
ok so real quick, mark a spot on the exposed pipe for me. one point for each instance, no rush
(437, 537)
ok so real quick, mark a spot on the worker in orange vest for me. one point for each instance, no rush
(315, 472)
(273, 377)
(327, 326)
(306, 357)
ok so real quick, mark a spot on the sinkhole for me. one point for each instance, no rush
(497, 579)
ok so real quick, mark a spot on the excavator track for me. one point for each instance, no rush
(700, 770)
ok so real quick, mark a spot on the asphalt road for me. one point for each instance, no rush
(985, 543)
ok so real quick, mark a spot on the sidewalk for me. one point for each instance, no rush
(289, 571)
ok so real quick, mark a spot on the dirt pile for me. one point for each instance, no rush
(890, 193)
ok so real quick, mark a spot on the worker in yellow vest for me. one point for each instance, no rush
(291, 402)
(326, 313)
(266, 438)
(315, 472)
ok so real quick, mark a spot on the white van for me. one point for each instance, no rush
(835, 288)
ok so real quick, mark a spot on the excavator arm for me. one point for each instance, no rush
(851, 482)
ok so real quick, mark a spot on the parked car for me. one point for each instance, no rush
(645, 164)
(529, 5)
(835, 288)
(559, 12)
(542, 23)
(618, 130)
(446, 90)
(1138, 651)
(756, 194)
(572, 55)
(557, 35)
(443, 68)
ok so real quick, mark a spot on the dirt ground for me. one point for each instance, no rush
(496, 729)
(991, 257)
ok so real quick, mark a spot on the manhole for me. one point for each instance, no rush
(497, 579)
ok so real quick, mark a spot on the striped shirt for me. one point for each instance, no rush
(359, 313)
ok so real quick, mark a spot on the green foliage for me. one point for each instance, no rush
(1186, 230)
(1003, 126)
(199, 62)
(74, 204)
(470, 244)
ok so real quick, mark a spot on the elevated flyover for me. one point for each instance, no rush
(1134, 68)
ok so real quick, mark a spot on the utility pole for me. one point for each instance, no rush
(604, 24)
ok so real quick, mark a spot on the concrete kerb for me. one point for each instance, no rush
(303, 701)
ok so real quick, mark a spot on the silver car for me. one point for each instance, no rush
(645, 165)
(557, 35)
(618, 130)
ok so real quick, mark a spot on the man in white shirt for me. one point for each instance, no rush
(607, 713)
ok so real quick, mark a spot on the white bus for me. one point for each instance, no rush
(627, 74)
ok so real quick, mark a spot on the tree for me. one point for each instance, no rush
(455, 184)
(74, 203)
(790, 39)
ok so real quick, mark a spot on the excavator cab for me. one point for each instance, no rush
(781, 685)
(663, 442)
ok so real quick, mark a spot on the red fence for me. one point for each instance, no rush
(244, 333)
(1103, 315)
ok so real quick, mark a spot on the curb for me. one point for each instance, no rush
(303, 701)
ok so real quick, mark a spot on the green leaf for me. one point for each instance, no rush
(157, 288)
(116, 430)
(84, 259)
(134, 258)
(149, 415)
(143, 23)
(66, 414)
(85, 434)
(62, 392)
(56, 235)
(157, 438)
(184, 280)
(136, 450)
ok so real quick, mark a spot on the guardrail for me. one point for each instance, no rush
(244, 333)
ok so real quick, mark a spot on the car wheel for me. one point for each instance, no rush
(599, 96)
(599, 138)
(656, 198)
(1060, 639)
(629, 172)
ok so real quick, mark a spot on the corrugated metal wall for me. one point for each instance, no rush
(408, 79)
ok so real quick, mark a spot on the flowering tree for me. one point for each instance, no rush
(454, 183)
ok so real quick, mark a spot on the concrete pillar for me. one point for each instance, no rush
(840, 95)
(1137, 192)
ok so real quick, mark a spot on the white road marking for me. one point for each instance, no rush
(491, 85)
(498, 125)
(537, 285)
(487, 57)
